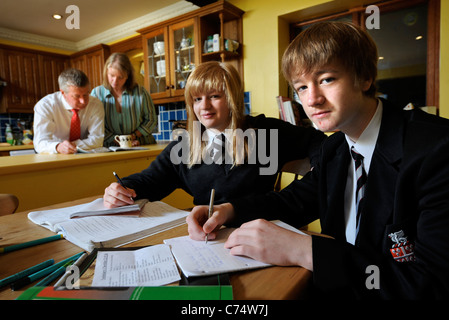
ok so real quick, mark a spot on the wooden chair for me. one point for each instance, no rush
(8, 203)
(297, 167)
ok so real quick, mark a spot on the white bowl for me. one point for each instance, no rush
(159, 47)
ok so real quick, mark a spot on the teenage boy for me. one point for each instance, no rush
(389, 234)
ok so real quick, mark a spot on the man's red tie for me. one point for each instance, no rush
(75, 126)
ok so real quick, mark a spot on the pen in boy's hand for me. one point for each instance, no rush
(211, 207)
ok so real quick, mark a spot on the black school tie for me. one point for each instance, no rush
(361, 183)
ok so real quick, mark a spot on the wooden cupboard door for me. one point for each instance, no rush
(184, 54)
(95, 63)
(23, 89)
(156, 63)
(50, 69)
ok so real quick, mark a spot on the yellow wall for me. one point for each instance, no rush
(266, 35)
(261, 52)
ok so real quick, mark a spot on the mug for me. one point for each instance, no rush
(125, 140)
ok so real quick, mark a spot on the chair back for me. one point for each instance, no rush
(298, 167)
(8, 203)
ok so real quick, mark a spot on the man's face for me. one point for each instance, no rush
(332, 100)
(77, 97)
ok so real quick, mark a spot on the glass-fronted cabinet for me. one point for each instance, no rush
(171, 57)
(173, 49)
(156, 66)
(182, 37)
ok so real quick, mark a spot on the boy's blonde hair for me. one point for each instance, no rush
(332, 41)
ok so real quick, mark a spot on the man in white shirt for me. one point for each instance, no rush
(53, 115)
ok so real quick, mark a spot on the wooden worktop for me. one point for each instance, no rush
(7, 147)
(33, 162)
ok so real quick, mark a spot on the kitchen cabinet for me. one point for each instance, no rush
(91, 62)
(171, 55)
(173, 48)
(50, 67)
(29, 75)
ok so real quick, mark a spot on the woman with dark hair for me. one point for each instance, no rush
(128, 106)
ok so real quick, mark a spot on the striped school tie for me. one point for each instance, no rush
(361, 183)
(218, 149)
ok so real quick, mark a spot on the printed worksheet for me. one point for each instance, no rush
(150, 266)
(198, 258)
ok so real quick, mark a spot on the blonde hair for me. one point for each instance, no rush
(208, 77)
(121, 62)
(330, 41)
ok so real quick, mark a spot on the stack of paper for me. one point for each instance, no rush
(109, 230)
(150, 266)
(198, 258)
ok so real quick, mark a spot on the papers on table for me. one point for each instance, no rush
(197, 258)
(109, 230)
(150, 266)
(115, 149)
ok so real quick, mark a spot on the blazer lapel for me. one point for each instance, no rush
(380, 189)
(336, 171)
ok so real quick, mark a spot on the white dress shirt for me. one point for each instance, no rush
(211, 134)
(52, 116)
(365, 146)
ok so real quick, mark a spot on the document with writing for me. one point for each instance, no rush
(197, 258)
(109, 230)
(150, 266)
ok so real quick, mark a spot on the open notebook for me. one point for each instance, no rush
(109, 230)
(197, 258)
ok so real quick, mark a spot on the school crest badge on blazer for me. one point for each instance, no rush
(402, 250)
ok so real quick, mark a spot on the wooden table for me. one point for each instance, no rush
(273, 283)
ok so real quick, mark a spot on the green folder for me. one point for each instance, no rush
(134, 293)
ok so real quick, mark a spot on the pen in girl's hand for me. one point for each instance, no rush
(211, 206)
(120, 181)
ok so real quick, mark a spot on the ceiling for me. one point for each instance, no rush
(96, 16)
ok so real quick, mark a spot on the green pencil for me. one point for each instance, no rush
(30, 243)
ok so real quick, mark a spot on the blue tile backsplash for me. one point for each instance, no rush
(167, 115)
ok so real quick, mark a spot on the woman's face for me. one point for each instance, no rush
(116, 79)
(212, 110)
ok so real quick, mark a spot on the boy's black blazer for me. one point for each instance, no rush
(406, 210)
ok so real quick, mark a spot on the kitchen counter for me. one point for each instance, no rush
(44, 179)
(5, 148)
